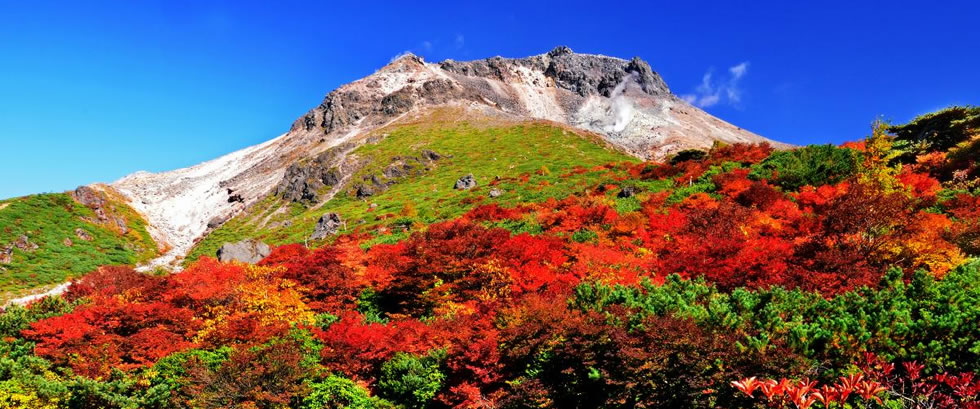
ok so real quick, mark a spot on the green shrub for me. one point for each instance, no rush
(412, 381)
(336, 392)
(812, 165)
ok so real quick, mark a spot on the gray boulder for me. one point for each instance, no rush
(328, 225)
(245, 251)
(465, 183)
(496, 192)
(216, 222)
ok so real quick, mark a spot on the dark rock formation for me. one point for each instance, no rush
(627, 191)
(329, 224)
(303, 181)
(465, 183)
(364, 191)
(246, 251)
(583, 74)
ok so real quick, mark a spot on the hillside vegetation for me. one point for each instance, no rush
(52, 237)
(741, 277)
(526, 162)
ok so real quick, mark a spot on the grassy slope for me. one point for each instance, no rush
(543, 152)
(47, 219)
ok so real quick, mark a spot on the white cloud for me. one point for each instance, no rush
(739, 70)
(725, 90)
(427, 45)
(460, 41)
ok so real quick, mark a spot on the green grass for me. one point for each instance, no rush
(534, 162)
(47, 220)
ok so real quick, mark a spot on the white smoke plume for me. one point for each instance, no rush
(620, 105)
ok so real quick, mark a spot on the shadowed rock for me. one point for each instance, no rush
(627, 191)
(328, 225)
(465, 183)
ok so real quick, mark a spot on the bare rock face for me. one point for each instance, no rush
(465, 183)
(246, 251)
(328, 225)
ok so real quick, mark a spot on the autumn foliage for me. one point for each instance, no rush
(738, 277)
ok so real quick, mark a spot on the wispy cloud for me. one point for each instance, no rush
(713, 91)
(460, 41)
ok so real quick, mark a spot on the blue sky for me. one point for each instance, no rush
(92, 91)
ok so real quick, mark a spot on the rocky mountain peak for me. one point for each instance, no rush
(624, 101)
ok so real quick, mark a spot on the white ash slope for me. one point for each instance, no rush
(622, 100)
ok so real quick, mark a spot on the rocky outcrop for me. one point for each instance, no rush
(246, 251)
(92, 199)
(495, 193)
(96, 200)
(304, 181)
(328, 225)
(82, 234)
(465, 183)
(583, 74)
(25, 244)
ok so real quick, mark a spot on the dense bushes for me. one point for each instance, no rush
(812, 165)
(806, 276)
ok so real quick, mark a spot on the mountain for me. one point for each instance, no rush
(557, 231)
(459, 260)
(623, 102)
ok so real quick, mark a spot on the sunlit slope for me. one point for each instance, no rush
(48, 238)
(524, 162)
